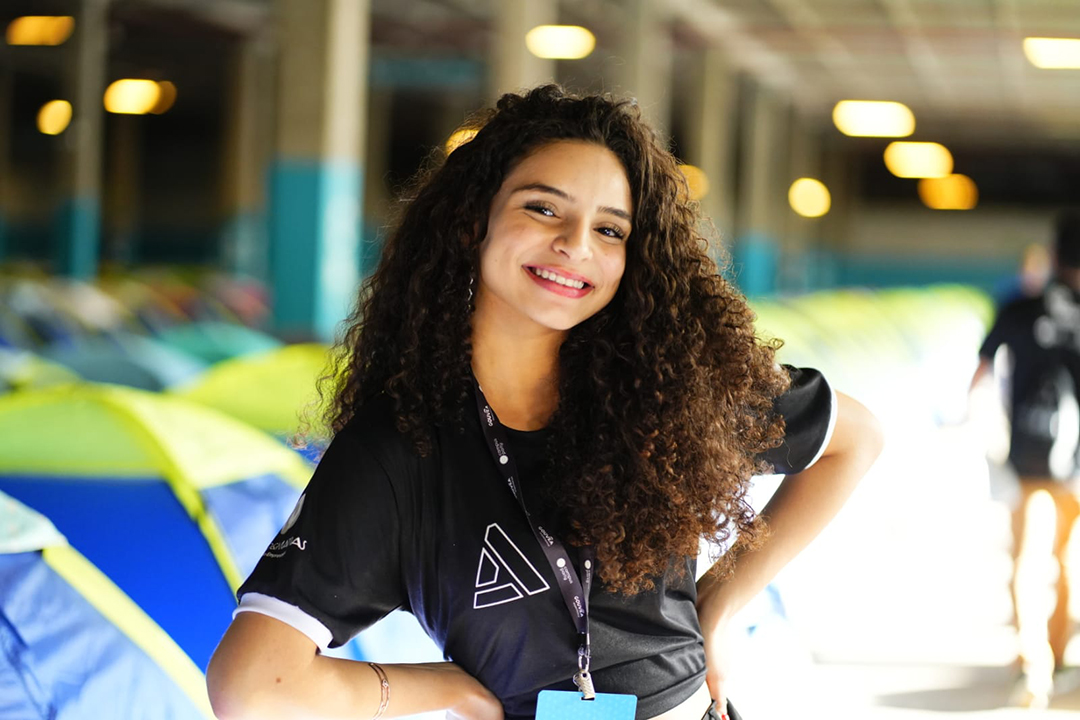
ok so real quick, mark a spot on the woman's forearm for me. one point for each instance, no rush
(266, 670)
(801, 507)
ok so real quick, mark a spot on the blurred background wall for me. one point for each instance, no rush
(290, 125)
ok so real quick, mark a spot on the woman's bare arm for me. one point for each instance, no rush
(801, 507)
(264, 669)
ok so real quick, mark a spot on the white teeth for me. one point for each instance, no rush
(548, 275)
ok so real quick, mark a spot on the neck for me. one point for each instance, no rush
(519, 373)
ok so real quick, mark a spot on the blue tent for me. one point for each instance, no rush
(74, 645)
(174, 502)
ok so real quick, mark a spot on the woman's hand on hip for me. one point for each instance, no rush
(718, 650)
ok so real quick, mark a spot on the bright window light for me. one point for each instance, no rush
(54, 117)
(918, 159)
(873, 118)
(40, 30)
(809, 197)
(132, 97)
(560, 42)
(953, 192)
(1053, 53)
(696, 180)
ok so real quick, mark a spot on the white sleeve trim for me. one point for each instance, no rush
(833, 410)
(291, 615)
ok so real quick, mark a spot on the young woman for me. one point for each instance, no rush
(549, 396)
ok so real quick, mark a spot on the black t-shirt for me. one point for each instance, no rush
(380, 528)
(1043, 337)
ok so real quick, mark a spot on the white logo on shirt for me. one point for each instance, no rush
(504, 573)
(294, 516)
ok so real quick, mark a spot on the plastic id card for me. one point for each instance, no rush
(568, 705)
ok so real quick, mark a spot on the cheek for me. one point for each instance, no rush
(615, 268)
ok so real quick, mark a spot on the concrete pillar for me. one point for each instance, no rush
(710, 139)
(123, 198)
(316, 185)
(513, 67)
(646, 71)
(78, 226)
(763, 194)
(797, 272)
(838, 175)
(248, 148)
(6, 105)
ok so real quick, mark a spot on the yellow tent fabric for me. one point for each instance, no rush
(106, 430)
(268, 390)
(113, 430)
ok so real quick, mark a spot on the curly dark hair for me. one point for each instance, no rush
(666, 395)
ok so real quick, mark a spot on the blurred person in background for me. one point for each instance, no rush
(1039, 337)
(545, 355)
(1032, 275)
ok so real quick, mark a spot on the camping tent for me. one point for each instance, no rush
(173, 501)
(267, 390)
(214, 341)
(75, 646)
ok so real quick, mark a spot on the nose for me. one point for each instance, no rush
(573, 241)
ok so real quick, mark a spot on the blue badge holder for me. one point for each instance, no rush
(568, 705)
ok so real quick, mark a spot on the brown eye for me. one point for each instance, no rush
(612, 232)
(545, 210)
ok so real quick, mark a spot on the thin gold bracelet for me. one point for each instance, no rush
(384, 690)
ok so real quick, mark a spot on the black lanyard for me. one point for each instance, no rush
(575, 592)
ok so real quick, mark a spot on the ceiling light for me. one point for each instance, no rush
(132, 97)
(696, 180)
(40, 30)
(166, 97)
(560, 42)
(953, 192)
(873, 118)
(1053, 53)
(918, 159)
(54, 117)
(809, 197)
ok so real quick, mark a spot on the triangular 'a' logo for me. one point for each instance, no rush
(504, 574)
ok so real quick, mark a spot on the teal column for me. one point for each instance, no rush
(315, 187)
(78, 217)
(838, 176)
(801, 235)
(5, 149)
(763, 196)
(712, 119)
(315, 240)
(249, 147)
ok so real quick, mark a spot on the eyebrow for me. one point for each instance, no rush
(559, 193)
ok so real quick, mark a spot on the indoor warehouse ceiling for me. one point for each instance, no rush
(958, 64)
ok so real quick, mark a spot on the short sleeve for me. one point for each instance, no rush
(808, 408)
(334, 568)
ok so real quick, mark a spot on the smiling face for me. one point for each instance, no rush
(555, 247)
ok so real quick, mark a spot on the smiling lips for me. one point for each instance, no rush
(559, 284)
